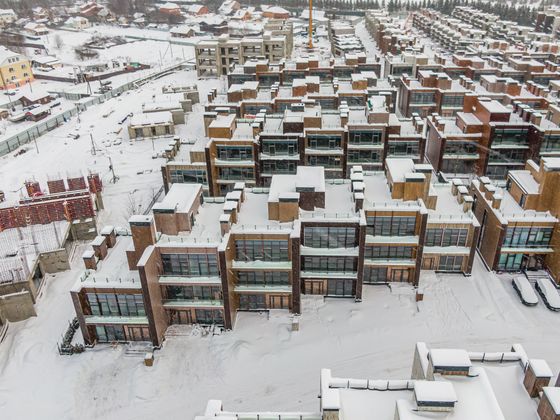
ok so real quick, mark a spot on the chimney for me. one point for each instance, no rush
(90, 261)
(143, 230)
(537, 376)
(467, 203)
(99, 245)
(490, 190)
(110, 235)
(497, 200)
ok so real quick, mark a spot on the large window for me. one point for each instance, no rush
(403, 148)
(454, 101)
(364, 137)
(194, 292)
(364, 156)
(527, 237)
(324, 141)
(391, 225)
(280, 147)
(263, 278)
(209, 316)
(190, 264)
(110, 304)
(261, 250)
(374, 275)
(326, 161)
(340, 287)
(507, 155)
(510, 262)
(513, 136)
(278, 167)
(551, 143)
(389, 252)
(450, 262)
(446, 237)
(236, 173)
(252, 302)
(187, 176)
(234, 152)
(329, 237)
(325, 264)
(422, 98)
(460, 148)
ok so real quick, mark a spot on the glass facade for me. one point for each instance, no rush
(231, 152)
(403, 148)
(527, 237)
(329, 237)
(187, 176)
(365, 137)
(193, 292)
(513, 136)
(236, 173)
(324, 141)
(389, 252)
(261, 250)
(190, 264)
(446, 237)
(110, 304)
(263, 278)
(326, 264)
(391, 225)
(450, 262)
(422, 98)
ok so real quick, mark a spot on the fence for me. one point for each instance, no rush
(30, 134)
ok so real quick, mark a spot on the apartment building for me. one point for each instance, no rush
(200, 260)
(514, 236)
(341, 68)
(15, 69)
(430, 93)
(217, 57)
(490, 140)
(255, 133)
(450, 383)
(548, 20)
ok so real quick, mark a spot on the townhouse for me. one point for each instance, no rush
(216, 57)
(519, 225)
(200, 260)
(451, 383)
(490, 140)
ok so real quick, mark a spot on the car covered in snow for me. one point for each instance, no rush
(525, 291)
(548, 293)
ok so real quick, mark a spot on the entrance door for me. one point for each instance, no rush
(400, 275)
(279, 302)
(340, 287)
(314, 288)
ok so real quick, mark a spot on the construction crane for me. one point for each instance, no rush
(310, 44)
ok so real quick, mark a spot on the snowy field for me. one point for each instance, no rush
(61, 155)
(155, 50)
(262, 365)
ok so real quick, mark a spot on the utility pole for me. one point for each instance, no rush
(115, 178)
(93, 151)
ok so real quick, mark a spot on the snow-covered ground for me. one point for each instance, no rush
(146, 52)
(59, 154)
(262, 365)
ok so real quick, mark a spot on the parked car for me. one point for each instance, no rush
(525, 291)
(548, 293)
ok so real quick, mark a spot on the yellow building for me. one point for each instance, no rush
(15, 69)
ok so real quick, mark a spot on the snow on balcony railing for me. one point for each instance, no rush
(342, 216)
